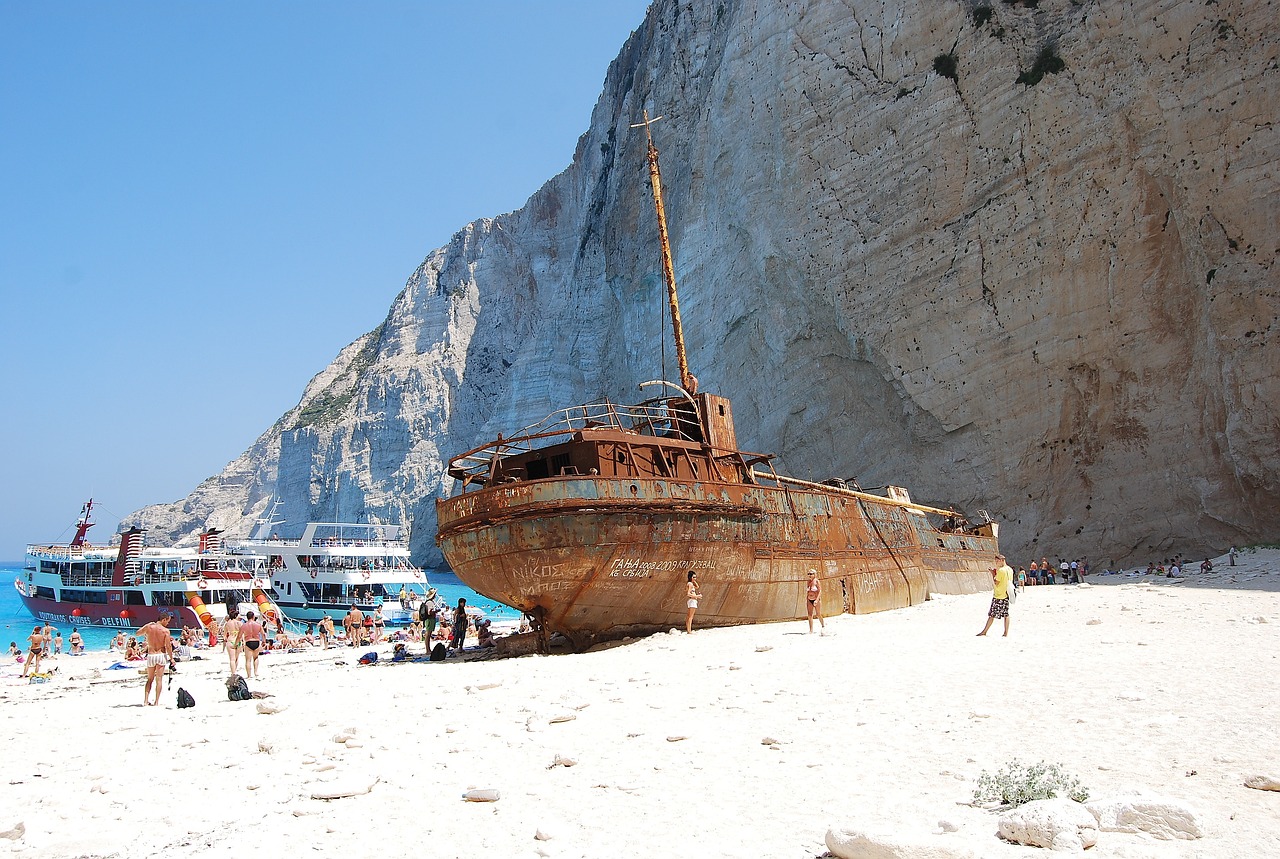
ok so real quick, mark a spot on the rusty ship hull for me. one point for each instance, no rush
(605, 555)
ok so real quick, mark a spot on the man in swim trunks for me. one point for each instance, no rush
(1002, 583)
(252, 634)
(428, 615)
(159, 654)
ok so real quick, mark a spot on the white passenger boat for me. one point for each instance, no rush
(335, 565)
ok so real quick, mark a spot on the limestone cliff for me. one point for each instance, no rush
(1011, 255)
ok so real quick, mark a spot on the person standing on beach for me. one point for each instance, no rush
(692, 595)
(1002, 576)
(34, 652)
(77, 642)
(252, 635)
(812, 597)
(231, 633)
(355, 627)
(459, 625)
(429, 614)
(159, 654)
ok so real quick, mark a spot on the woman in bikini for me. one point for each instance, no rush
(34, 652)
(813, 601)
(231, 630)
(692, 595)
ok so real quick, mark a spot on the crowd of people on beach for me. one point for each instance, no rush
(244, 639)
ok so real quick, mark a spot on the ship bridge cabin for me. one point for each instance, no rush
(671, 438)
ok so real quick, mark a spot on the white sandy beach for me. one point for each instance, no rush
(1168, 688)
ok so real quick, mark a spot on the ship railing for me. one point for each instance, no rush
(651, 418)
(772, 476)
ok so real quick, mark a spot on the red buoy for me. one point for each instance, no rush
(125, 614)
(75, 612)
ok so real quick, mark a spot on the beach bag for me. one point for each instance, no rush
(184, 699)
(237, 689)
(369, 658)
(439, 652)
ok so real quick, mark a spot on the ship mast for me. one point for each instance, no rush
(687, 380)
(83, 524)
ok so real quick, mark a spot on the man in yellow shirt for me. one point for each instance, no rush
(1002, 576)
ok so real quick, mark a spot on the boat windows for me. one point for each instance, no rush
(134, 598)
(537, 469)
(46, 593)
(560, 463)
(98, 597)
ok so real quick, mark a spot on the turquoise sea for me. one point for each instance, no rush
(16, 622)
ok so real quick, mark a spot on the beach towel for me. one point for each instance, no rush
(369, 658)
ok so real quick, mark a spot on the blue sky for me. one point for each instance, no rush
(201, 203)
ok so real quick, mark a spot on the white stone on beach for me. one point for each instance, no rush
(481, 796)
(14, 832)
(1061, 824)
(849, 843)
(1262, 782)
(763, 648)
(267, 708)
(1159, 817)
(264, 746)
(541, 834)
(1093, 621)
(563, 761)
(561, 717)
(341, 788)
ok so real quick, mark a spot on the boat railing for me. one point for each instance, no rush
(71, 553)
(651, 418)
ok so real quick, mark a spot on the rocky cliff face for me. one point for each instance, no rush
(1054, 298)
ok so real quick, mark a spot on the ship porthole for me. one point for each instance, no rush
(635, 490)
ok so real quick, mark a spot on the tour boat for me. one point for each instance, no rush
(332, 566)
(128, 583)
(591, 521)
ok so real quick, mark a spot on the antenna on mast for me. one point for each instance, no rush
(687, 379)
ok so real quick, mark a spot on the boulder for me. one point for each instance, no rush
(849, 843)
(1262, 782)
(1060, 824)
(1159, 817)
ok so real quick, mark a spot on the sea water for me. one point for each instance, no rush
(16, 622)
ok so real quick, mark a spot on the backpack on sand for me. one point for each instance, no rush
(237, 689)
(184, 699)
(439, 652)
